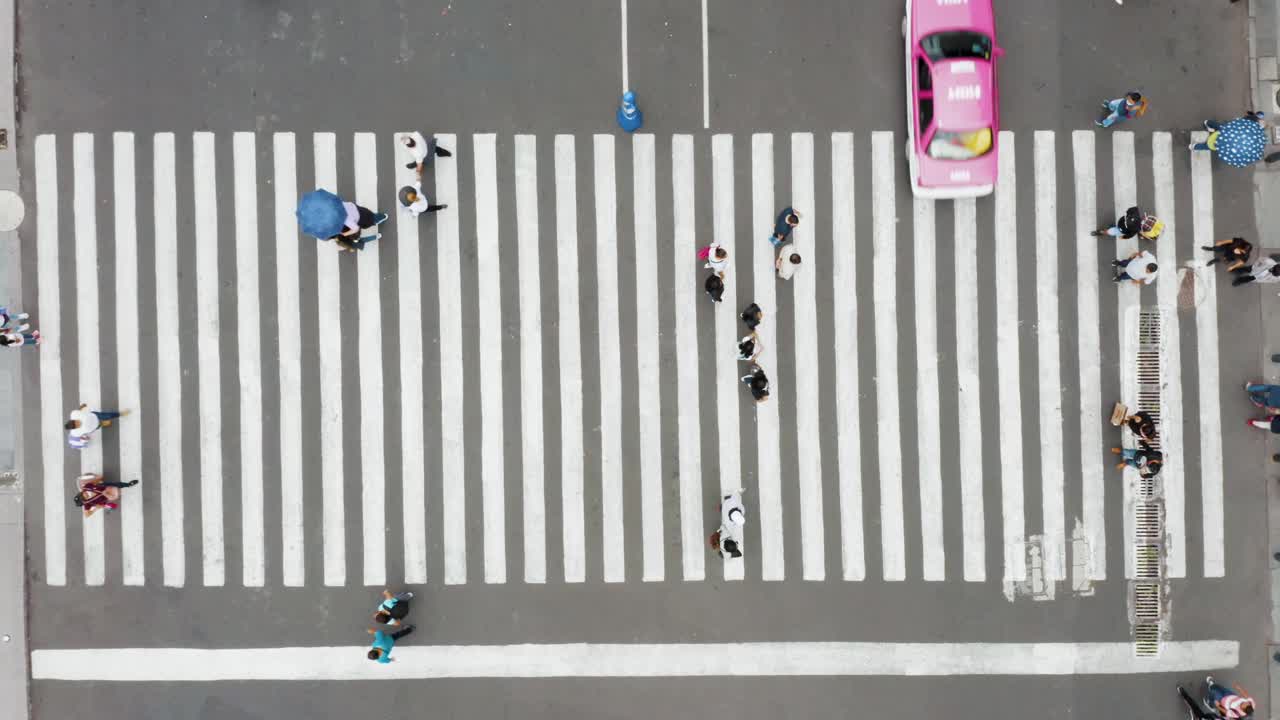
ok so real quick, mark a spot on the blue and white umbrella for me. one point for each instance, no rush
(1241, 142)
(320, 213)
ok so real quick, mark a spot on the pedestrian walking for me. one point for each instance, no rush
(727, 547)
(1142, 424)
(83, 423)
(1233, 251)
(757, 382)
(1140, 268)
(787, 221)
(751, 316)
(728, 539)
(1145, 459)
(422, 151)
(357, 220)
(94, 493)
(750, 347)
(714, 287)
(1130, 106)
(1133, 222)
(20, 339)
(1198, 710)
(415, 202)
(1263, 270)
(13, 322)
(717, 258)
(393, 609)
(1215, 129)
(1263, 395)
(383, 643)
(787, 262)
(1230, 703)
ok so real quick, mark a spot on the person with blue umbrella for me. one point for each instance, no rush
(328, 217)
(1239, 143)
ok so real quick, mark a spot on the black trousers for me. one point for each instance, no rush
(401, 632)
(367, 219)
(1197, 708)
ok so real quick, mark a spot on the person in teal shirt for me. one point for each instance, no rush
(383, 643)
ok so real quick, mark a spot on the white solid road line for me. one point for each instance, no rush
(129, 393)
(968, 390)
(453, 495)
(769, 464)
(1125, 182)
(249, 342)
(623, 13)
(373, 463)
(413, 453)
(1052, 475)
(729, 441)
(572, 470)
(1172, 476)
(889, 439)
(853, 562)
(581, 660)
(606, 210)
(48, 298)
(1092, 519)
(289, 350)
(924, 279)
(208, 343)
(328, 292)
(169, 363)
(687, 273)
(1009, 388)
(87, 324)
(706, 73)
(647, 346)
(532, 459)
(489, 303)
(807, 391)
(1211, 501)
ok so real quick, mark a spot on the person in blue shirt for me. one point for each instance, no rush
(1263, 396)
(787, 220)
(383, 643)
(393, 608)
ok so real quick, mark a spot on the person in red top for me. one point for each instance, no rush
(96, 493)
(1230, 703)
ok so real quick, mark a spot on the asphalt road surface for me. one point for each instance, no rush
(524, 407)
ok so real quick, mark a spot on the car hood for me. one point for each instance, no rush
(936, 16)
(963, 92)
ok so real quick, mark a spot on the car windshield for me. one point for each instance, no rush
(953, 45)
(960, 145)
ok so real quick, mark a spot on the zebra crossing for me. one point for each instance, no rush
(775, 454)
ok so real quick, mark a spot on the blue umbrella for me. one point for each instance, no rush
(1241, 142)
(320, 213)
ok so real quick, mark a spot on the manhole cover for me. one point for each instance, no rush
(12, 210)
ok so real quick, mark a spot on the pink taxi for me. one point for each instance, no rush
(953, 120)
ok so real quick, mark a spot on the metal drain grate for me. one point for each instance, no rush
(1146, 640)
(1147, 601)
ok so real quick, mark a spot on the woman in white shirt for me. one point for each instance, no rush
(750, 347)
(787, 262)
(718, 259)
(1264, 270)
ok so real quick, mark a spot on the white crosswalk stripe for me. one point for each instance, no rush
(603, 493)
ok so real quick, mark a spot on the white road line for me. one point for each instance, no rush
(249, 341)
(168, 364)
(413, 454)
(89, 349)
(766, 659)
(1207, 365)
(1007, 362)
(489, 298)
(924, 278)
(1093, 520)
(706, 76)
(52, 449)
(289, 349)
(726, 333)
(610, 364)
(686, 271)
(531, 438)
(647, 344)
(373, 461)
(843, 271)
(808, 391)
(1126, 195)
(772, 563)
(331, 436)
(1172, 476)
(625, 82)
(452, 460)
(889, 438)
(573, 509)
(969, 392)
(208, 345)
(1052, 475)
(129, 393)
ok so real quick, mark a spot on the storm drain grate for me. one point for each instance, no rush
(1146, 640)
(1147, 542)
(1146, 602)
